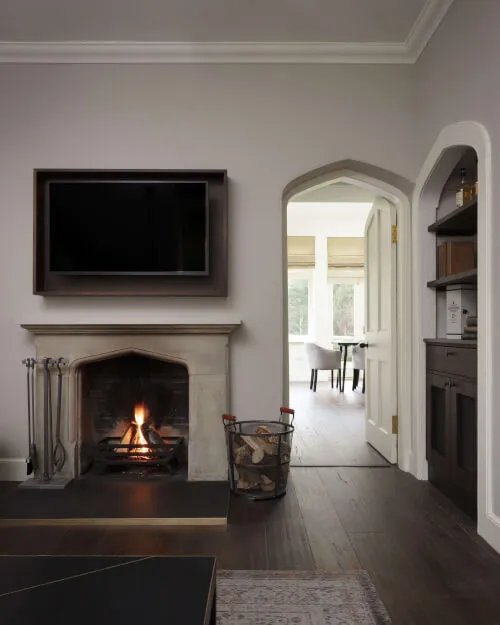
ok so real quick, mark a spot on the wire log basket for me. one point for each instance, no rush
(259, 455)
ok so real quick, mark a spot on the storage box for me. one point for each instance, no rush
(455, 257)
(461, 303)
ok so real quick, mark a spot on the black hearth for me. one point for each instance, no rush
(135, 413)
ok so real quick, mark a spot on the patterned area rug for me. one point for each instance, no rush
(298, 598)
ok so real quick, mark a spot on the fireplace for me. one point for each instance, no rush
(135, 414)
(179, 373)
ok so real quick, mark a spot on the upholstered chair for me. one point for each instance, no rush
(321, 359)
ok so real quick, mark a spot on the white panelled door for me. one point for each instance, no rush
(380, 329)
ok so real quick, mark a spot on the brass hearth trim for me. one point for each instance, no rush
(158, 522)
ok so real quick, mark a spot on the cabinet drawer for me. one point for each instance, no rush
(452, 360)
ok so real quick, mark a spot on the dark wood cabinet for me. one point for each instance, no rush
(452, 421)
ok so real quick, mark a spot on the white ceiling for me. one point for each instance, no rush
(260, 30)
(208, 20)
(331, 219)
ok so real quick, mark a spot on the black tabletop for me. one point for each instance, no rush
(60, 590)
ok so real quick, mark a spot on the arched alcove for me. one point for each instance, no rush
(398, 191)
(449, 147)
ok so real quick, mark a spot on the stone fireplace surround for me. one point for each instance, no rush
(202, 348)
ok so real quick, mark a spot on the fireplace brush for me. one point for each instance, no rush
(31, 464)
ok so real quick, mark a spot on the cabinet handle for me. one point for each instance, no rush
(453, 384)
(446, 385)
(449, 353)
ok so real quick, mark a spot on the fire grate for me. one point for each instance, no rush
(111, 451)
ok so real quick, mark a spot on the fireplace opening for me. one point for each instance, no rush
(135, 416)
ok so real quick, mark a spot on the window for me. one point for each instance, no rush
(298, 303)
(347, 302)
(343, 309)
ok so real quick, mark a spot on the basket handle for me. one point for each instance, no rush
(289, 411)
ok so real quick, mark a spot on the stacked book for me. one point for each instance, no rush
(470, 329)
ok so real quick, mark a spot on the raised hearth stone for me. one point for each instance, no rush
(97, 500)
(105, 590)
(56, 483)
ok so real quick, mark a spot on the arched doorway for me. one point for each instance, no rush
(397, 191)
(451, 144)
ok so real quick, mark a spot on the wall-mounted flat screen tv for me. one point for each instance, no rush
(129, 227)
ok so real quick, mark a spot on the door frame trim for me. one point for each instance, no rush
(398, 191)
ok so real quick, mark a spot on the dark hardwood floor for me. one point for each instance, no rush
(424, 555)
(330, 428)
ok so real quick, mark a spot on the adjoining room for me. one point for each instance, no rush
(326, 324)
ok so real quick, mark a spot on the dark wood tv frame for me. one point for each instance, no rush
(215, 284)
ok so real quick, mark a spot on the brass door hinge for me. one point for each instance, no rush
(394, 234)
(395, 424)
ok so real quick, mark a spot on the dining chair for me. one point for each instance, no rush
(321, 359)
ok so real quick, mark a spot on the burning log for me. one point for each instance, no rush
(127, 438)
(153, 437)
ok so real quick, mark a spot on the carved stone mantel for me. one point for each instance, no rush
(202, 348)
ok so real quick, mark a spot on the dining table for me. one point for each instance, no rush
(344, 343)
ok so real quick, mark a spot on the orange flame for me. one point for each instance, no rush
(140, 415)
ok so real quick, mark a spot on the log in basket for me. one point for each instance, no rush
(259, 455)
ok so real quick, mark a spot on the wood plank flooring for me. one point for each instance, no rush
(427, 562)
(330, 428)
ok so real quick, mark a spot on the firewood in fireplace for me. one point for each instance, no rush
(127, 438)
(152, 436)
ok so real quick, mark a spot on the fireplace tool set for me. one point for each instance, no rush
(54, 455)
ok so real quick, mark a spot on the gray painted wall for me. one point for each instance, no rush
(265, 124)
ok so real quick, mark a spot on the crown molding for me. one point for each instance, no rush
(140, 52)
(199, 52)
(425, 26)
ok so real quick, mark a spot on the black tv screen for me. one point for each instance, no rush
(128, 227)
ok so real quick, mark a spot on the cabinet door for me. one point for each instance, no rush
(438, 430)
(463, 412)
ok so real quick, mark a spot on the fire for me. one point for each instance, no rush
(140, 412)
(140, 415)
(141, 437)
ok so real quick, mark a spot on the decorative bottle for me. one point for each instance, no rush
(464, 191)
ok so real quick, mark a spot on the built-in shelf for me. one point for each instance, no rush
(461, 221)
(465, 277)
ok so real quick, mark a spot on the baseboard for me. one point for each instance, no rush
(406, 463)
(489, 528)
(12, 469)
